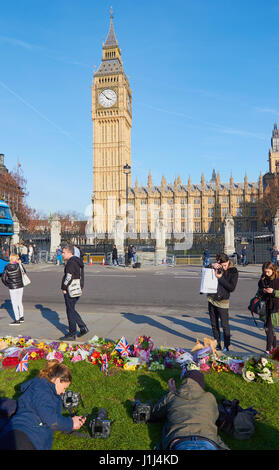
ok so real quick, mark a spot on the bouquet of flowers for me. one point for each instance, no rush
(261, 370)
(143, 347)
(220, 367)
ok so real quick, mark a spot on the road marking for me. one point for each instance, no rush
(111, 275)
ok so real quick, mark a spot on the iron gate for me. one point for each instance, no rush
(259, 246)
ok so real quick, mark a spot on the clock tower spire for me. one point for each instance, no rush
(112, 122)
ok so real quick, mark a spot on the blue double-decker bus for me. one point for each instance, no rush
(6, 233)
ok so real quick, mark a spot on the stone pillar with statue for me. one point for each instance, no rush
(229, 247)
(118, 236)
(160, 237)
(55, 234)
(15, 237)
(276, 229)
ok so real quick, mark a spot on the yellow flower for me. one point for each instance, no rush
(63, 346)
(129, 366)
(41, 345)
(21, 341)
(33, 354)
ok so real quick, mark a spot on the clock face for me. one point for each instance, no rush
(107, 98)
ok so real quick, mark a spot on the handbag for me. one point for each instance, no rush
(74, 289)
(209, 281)
(257, 306)
(25, 278)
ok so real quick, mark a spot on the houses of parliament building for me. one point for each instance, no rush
(140, 206)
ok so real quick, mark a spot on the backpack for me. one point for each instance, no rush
(257, 306)
(236, 421)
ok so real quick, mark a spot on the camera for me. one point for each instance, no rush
(141, 412)
(220, 270)
(100, 426)
(71, 400)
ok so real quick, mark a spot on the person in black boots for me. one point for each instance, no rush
(218, 304)
(74, 269)
(269, 291)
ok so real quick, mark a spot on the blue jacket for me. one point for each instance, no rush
(38, 413)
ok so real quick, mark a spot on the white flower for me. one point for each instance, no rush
(250, 375)
(269, 380)
(263, 376)
(266, 371)
(264, 361)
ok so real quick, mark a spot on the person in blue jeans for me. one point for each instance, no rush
(190, 414)
(74, 270)
(206, 257)
(59, 255)
(244, 256)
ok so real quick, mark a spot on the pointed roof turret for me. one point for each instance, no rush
(275, 139)
(213, 177)
(163, 183)
(111, 60)
(149, 180)
(111, 38)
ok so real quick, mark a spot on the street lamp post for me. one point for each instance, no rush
(127, 171)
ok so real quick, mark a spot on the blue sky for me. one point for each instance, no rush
(204, 78)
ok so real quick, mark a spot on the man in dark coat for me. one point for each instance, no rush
(74, 269)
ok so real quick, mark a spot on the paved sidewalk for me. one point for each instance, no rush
(168, 329)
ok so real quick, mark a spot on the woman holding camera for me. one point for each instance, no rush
(38, 412)
(218, 304)
(269, 292)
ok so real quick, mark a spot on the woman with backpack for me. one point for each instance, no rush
(12, 278)
(269, 292)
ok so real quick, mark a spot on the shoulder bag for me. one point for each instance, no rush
(25, 278)
(74, 289)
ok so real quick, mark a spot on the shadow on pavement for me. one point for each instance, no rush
(7, 305)
(140, 319)
(53, 317)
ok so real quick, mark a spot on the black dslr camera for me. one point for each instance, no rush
(71, 401)
(100, 426)
(141, 412)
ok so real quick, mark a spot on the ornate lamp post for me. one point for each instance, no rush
(127, 171)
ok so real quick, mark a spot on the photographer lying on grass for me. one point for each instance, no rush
(190, 415)
(38, 412)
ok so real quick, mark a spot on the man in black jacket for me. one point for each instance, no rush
(74, 269)
(218, 304)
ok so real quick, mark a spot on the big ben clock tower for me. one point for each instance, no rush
(112, 122)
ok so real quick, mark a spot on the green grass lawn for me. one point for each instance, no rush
(117, 391)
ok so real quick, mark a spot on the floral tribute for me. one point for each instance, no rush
(142, 354)
(261, 370)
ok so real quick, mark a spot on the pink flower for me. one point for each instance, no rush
(77, 358)
(204, 367)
